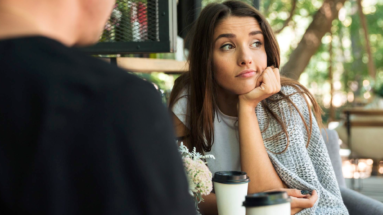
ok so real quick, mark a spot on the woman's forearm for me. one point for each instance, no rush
(209, 205)
(254, 159)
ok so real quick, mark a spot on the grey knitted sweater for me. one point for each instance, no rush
(298, 167)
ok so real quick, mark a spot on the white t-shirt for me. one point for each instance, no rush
(226, 138)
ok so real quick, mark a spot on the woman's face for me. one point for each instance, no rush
(239, 54)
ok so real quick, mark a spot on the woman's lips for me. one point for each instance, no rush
(246, 74)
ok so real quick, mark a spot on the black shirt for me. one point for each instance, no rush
(79, 136)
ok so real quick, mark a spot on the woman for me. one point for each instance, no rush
(233, 104)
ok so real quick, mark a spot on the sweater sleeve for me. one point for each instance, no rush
(300, 167)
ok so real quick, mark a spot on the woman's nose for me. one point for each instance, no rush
(245, 58)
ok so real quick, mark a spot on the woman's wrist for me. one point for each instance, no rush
(247, 103)
(246, 106)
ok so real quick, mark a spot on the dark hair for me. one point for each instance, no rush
(200, 78)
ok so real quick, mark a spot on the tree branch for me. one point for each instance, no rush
(286, 23)
(311, 39)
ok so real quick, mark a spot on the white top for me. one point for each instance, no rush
(298, 167)
(226, 143)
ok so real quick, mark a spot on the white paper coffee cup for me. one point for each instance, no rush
(268, 203)
(230, 189)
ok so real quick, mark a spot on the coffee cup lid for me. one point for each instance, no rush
(266, 198)
(231, 177)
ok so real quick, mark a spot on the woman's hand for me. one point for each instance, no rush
(268, 84)
(300, 201)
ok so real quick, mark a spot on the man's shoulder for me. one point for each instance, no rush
(47, 61)
(116, 80)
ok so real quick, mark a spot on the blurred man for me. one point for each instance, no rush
(79, 136)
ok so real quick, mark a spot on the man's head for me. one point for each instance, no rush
(72, 22)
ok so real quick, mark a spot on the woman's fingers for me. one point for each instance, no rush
(259, 80)
(277, 84)
(308, 202)
(314, 196)
(271, 81)
(293, 192)
(276, 72)
(267, 84)
(277, 76)
(267, 81)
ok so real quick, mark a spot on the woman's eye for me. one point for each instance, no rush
(227, 47)
(256, 44)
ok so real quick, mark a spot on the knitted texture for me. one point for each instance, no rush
(300, 167)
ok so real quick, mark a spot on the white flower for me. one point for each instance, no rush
(198, 174)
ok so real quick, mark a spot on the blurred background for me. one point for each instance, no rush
(333, 47)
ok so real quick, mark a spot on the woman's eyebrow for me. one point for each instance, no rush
(225, 35)
(255, 33)
(233, 35)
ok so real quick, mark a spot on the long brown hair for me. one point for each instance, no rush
(200, 79)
